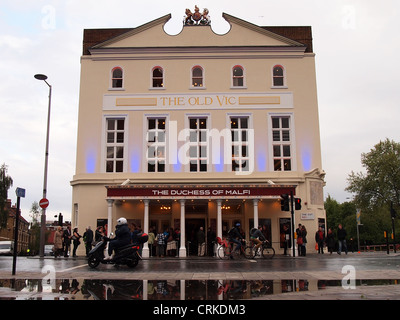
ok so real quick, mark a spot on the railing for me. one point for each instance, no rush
(378, 247)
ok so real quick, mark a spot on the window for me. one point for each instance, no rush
(158, 77)
(237, 76)
(197, 77)
(117, 79)
(277, 75)
(198, 144)
(240, 143)
(115, 142)
(281, 142)
(156, 144)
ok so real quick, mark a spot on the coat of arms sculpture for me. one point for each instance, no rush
(197, 18)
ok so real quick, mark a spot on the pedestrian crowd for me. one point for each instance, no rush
(63, 239)
(167, 242)
(322, 240)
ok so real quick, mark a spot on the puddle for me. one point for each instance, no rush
(84, 289)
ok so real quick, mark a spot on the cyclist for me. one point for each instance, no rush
(257, 237)
(235, 237)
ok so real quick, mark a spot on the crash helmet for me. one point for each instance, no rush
(121, 221)
(237, 224)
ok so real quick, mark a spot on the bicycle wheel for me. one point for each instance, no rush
(223, 252)
(268, 252)
(249, 252)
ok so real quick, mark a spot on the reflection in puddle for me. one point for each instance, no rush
(83, 289)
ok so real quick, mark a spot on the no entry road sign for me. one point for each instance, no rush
(44, 203)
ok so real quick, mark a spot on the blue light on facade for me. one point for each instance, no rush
(306, 159)
(91, 162)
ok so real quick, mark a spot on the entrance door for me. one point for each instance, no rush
(192, 226)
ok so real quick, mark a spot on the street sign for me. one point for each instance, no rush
(44, 203)
(20, 192)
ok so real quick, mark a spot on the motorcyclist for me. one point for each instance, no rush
(122, 237)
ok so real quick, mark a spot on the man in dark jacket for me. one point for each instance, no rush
(88, 239)
(122, 237)
(341, 234)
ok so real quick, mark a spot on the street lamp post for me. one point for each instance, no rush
(43, 77)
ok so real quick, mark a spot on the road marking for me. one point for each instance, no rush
(73, 268)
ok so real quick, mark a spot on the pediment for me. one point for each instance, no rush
(241, 33)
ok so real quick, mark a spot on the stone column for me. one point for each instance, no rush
(255, 206)
(219, 219)
(146, 251)
(182, 248)
(109, 216)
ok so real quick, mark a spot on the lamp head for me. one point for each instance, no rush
(40, 77)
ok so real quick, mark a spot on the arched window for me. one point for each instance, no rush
(197, 76)
(117, 77)
(237, 76)
(158, 77)
(278, 77)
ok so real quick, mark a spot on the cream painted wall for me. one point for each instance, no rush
(216, 54)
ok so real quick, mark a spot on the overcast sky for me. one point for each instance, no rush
(357, 61)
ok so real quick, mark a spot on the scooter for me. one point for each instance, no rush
(126, 255)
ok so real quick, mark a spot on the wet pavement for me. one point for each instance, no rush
(356, 276)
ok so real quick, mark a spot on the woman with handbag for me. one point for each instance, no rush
(58, 242)
(76, 241)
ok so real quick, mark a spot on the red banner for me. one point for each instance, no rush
(184, 192)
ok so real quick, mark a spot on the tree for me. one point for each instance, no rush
(377, 188)
(35, 228)
(6, 183)
(35, 212)
(380, 185)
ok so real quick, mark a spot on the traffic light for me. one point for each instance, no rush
(60, 219)
(297, 203)
(285, 202)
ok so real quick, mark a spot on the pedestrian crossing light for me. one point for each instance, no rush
(285, 202)
(297, 203)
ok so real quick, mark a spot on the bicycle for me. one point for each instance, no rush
(225, 250)
(265, 250)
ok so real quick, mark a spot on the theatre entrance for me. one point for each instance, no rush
(192, 226)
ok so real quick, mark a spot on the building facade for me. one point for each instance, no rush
(198, 129)
(7, 233)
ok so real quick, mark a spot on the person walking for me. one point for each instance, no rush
(58, 242)
(76, 241)
(303, 244)
(99, 233)
(67, 241)
(88, 239)
(341, 234)
(161, 243)
(299, 240)
(201, 242)
(210, 242)
(320, 240)
(150, 241)
(330, 241)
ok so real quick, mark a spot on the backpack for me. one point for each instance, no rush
(252, 231)
(231, 232)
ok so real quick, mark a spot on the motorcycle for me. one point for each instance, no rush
(126, 255)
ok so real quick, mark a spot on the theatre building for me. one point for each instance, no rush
(198, 130)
